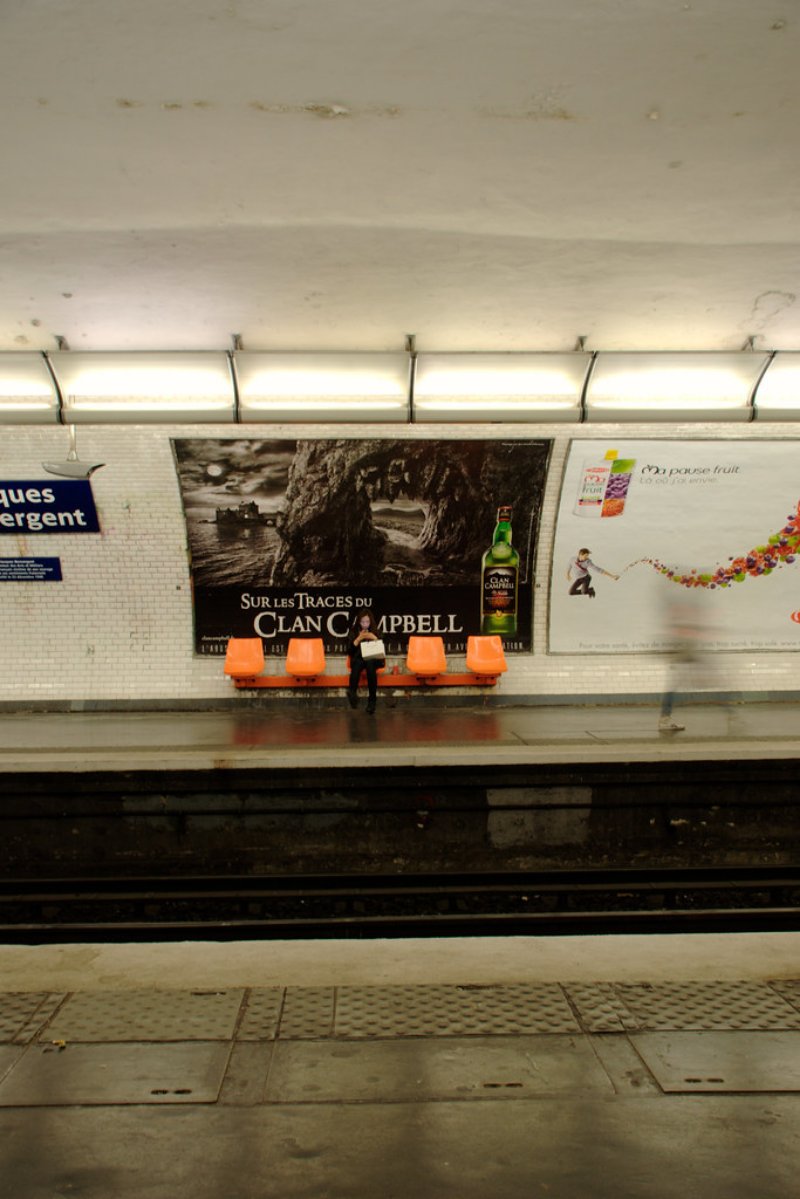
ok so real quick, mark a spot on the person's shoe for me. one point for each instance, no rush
(352, 698)
(591, 592)
(371, 707)
(667, 725)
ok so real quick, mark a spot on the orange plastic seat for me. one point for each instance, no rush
(485, 656)
(305, 657)
(426, 657)
(244, 657)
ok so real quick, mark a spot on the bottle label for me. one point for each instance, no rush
(617, 487)
(592, 488)
(499, 591)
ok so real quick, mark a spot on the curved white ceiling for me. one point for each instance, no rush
(330, 174)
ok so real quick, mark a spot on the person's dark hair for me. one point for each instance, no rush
(355, 628)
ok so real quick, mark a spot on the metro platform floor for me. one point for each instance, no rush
(577, 1068)
(414, 731)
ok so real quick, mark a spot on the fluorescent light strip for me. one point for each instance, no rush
(657, 404)
(25, 404)
(285, 384)
(146, 404)
(490, 385)
(313, 403)
(491, 404)
(781, 403)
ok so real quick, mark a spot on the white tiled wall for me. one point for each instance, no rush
(119, 625)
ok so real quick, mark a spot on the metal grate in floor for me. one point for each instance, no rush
(261, 1014)
(363, 1012)
(708, 1006)
(147, 1016)
(789, 989)
(307, 1013)
(23, 1015)
(600, 1008)
(453, 1011)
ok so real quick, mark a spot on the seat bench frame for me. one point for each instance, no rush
(390, 678)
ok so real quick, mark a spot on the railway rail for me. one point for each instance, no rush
(389, 905)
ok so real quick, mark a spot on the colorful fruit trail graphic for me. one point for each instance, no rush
(781, 548)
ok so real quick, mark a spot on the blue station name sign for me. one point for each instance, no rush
(43, 507)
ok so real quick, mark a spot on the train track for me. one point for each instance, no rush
(471, 904)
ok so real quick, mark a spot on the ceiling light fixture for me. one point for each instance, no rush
(673, 386)
(330, 387)
(72, 468)
(500, 387)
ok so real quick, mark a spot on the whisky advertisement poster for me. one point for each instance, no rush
(658, 536)
(290, 538)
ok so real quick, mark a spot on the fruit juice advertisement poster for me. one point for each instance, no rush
(291, 537)
(650, 531)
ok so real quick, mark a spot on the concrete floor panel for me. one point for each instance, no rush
(427, 1070)
(101, 1074)
(717, 1062)
(9, 1056)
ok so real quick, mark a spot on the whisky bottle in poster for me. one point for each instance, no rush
(499, 580)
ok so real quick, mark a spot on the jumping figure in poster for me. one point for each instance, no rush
(578, 573)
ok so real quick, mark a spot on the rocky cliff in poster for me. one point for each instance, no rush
(291, 537)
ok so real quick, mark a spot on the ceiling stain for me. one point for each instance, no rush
(543, 106)
(529, 114)
(318, 110)
(327, 110)
(770, 304)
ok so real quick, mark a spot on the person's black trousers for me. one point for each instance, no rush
(357, 668)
